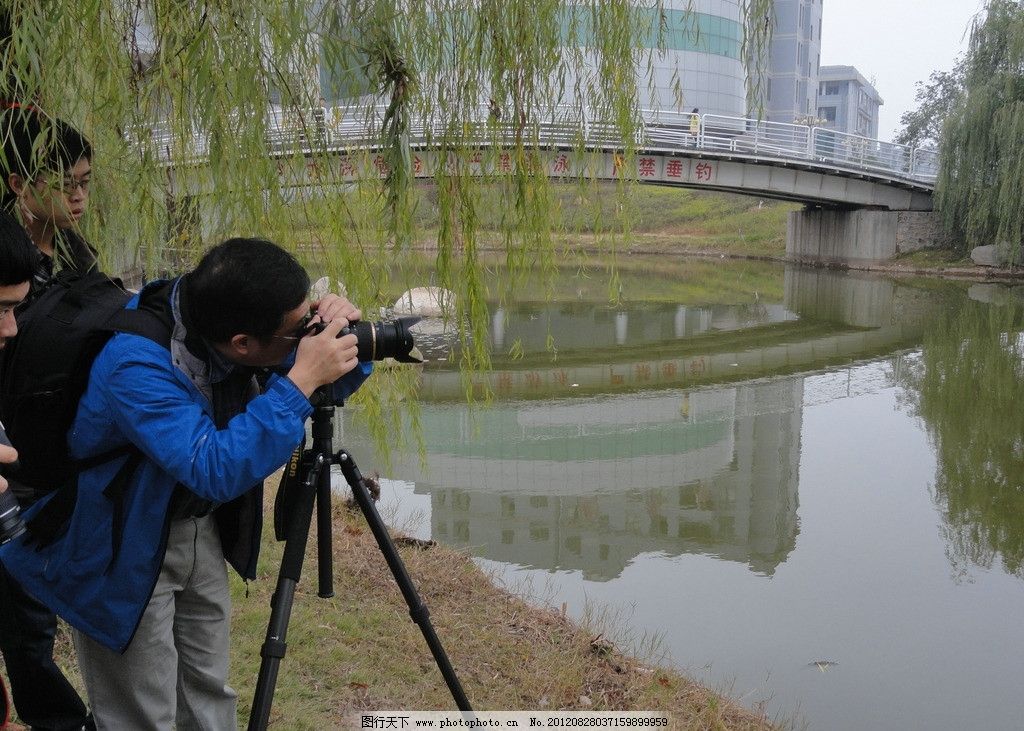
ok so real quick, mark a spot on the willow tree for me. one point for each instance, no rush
(207, 120)
(981, 181)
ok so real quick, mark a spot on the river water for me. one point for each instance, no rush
(803, 487)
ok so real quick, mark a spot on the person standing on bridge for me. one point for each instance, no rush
(695, 124)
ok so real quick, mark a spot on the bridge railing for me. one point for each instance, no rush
(353, 128)
(816, 144)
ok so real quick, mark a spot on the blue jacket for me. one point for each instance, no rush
(137, 395)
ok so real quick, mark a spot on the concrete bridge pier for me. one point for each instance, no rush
(860, 236)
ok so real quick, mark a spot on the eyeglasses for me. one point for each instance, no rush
(300, 332)
(69, 185)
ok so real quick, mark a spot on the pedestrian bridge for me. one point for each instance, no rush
(866, 200)
(807, 164)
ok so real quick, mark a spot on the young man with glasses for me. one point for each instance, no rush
(46, 167)
(140, 572)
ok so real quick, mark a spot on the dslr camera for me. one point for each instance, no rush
(11, 524)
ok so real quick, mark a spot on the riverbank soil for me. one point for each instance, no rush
(360, 650)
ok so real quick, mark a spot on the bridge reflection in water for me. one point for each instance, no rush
(625, 446)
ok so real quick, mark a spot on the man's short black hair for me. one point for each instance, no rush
(18, 255)
(244, 286)
(35, 143)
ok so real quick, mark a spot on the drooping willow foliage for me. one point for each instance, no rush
(981, 181)
(964, 389)
(208, 120)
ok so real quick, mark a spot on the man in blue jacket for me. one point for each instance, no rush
(140, 573)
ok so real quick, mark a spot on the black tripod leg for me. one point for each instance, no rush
(275, 645)
(417, 609)
(322, 431)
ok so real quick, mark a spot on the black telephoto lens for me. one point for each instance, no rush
(380, 340)
(11, 524)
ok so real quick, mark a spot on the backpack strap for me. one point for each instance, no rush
(142, 322)
(115, 491)
(51, 521)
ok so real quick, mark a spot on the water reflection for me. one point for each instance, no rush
(589, 485)
(632, 440)
(679, 450)
(823, 319)
(968, 385)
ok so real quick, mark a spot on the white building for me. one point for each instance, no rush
(847, 102)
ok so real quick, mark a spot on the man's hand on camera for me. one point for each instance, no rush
(7, 456)
(324, 358)
(332, 307)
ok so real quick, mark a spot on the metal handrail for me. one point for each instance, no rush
(350, 128)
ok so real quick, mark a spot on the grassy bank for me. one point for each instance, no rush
(659, 219)
(361, 651)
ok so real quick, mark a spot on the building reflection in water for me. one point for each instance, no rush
(589, 484)
(660, 428)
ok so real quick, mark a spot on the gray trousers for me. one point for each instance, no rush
(175, 670)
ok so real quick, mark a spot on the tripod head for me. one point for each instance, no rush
(323, 397)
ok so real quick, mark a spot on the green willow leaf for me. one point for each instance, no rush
(213, 118)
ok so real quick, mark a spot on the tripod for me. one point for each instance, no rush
(314, 487)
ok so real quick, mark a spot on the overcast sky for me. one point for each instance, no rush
(895, 43)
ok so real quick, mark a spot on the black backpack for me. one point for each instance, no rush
(45, 369)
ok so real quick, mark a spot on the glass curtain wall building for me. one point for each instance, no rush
(701, 56)
(695, 60)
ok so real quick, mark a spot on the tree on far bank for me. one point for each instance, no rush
(980, 188)
(922, 126)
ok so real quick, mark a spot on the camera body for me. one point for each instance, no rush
(11, 523)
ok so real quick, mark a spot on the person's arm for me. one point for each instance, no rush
(162, 417)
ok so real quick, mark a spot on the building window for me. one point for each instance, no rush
(827, 113)
(829, 88)
(863, 125)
